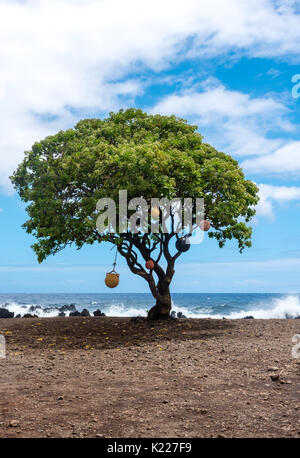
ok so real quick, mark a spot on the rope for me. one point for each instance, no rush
(115, 261)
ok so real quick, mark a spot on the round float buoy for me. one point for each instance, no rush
(112, 279)
(155, 213)
(205, 225)
(183, 244)
(150, 264)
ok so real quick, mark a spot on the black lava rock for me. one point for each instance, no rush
(98, 313)
(33, 308)
(136, 319)
(4, 313)
(76, 313)
(67, 308)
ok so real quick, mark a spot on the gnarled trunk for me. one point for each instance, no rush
(163, 306)
(161, 290)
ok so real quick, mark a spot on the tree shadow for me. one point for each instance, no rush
(91, 333)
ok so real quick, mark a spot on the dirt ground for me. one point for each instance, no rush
(111, 377)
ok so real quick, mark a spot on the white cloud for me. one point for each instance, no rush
(270, 194)
(216, 102)
(284, 160)
(231, 120)
(73, 53)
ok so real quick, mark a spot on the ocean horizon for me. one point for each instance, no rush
(192, 305)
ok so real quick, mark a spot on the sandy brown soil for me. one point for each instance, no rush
(110, 377)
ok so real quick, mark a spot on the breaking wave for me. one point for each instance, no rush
(204, 306)
(283, 307)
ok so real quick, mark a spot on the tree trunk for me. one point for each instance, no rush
(163, 306)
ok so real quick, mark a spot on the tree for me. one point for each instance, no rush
(63, 176)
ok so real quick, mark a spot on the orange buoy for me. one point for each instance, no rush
(112, 279)
(150, 264)
(205, 225)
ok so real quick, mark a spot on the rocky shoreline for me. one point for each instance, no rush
(62, 312)
(70, 310)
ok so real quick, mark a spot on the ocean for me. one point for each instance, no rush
(191, 305)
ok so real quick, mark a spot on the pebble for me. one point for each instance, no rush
(13, 424)
(203, 411)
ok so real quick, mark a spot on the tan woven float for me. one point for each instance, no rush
(112, 279)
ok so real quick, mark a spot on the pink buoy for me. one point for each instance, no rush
(205, 225)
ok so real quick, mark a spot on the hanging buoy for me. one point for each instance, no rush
(112, 279)
(150, 264)
(183, 244)
(155, 212)
(205, 225)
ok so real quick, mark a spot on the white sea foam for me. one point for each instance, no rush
(114, 309)
(123, 311)
(281, 307)
(20, 309)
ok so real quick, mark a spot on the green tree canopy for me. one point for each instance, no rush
(63, 176)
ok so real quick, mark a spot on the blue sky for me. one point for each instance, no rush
(224, 66)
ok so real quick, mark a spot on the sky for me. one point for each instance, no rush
(229, 67)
